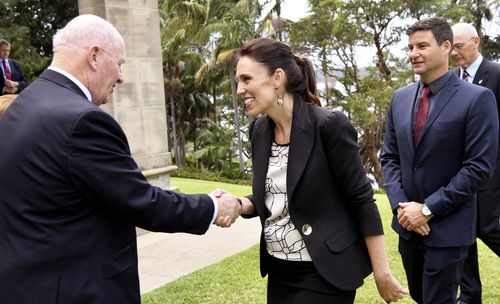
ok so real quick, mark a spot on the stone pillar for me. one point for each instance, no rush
(139, 104)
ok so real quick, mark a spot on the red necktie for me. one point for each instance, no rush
(6, 69)
(423, 110)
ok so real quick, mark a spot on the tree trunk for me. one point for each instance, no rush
(181, 151)
(174, 129)
(214, 95)
(237, 117)
(324, 67)
(371, 150)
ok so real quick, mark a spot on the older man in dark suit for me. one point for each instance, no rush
(12, 77)
(440, 148)
(71, 194)
(473, 68)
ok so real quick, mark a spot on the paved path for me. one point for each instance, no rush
(165, 257)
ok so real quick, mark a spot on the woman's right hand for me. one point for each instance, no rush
(389, 288)
(248, 207)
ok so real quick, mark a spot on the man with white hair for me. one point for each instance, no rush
(70, 193)
(472, 67)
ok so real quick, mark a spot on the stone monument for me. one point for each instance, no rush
(139, 104)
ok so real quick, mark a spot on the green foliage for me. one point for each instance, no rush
(29, 26)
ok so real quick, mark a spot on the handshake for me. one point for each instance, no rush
(229, 207)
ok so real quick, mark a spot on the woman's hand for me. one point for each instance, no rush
(389, 288)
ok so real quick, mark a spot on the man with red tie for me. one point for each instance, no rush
(440, 147)
(12, 77)
(473, 68)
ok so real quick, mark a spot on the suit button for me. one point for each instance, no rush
(307, 229)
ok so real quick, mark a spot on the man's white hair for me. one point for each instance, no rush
(465, 28)
(86, 30)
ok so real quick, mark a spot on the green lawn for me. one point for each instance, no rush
(237, 279)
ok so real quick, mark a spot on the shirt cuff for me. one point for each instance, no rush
(216, 207)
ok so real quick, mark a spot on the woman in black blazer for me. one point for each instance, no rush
(322, 233)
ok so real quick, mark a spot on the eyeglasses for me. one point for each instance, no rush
(459, 46)
(119, 64)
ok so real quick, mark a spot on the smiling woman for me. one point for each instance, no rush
(321, 231)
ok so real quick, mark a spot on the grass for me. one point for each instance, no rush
(237, 278)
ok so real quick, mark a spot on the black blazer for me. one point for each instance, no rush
(71, 196)
(454, 157)
(327, 189)
(16, 74)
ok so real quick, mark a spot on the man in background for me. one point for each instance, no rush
(440, 147)
(473, 68)
(70, 193)
(12, 78)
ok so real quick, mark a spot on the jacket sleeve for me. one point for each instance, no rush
(22, 84)
(340, 140)
(103, 170)
(391, 164)
(480, 149)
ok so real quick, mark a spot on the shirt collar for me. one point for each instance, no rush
(72, 78)
(438, 84)
(472, 69)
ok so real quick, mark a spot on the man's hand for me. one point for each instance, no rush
(423, 230)
(410, 217)
(229, 208)
(10, 86)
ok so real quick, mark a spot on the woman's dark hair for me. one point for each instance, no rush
(299, 71)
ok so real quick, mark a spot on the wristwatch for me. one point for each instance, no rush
(426, 211)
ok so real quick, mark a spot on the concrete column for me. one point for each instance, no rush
(139, 104)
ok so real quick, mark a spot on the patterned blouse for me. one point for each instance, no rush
(282, 238)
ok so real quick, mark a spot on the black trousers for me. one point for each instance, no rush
(488, 230)
(433, 273)
(300, 283)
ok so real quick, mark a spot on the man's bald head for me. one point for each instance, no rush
(92, 50)
(86, 30)
(465, 44)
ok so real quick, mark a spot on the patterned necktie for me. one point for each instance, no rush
(465, 75)
(423, 110)
(6, 69)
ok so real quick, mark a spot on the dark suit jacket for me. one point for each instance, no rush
(16, 74)
(454, 157)
(488, 75)
(71, 196)
(327, 189)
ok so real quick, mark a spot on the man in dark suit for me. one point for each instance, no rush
(472, 67)
(70, 193)
(440, 148)
(12, 77)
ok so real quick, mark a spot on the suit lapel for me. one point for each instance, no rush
(408, 119)
(482, 73)
(262, 138)
(301, 144)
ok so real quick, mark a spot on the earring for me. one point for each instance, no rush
(279, 100)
